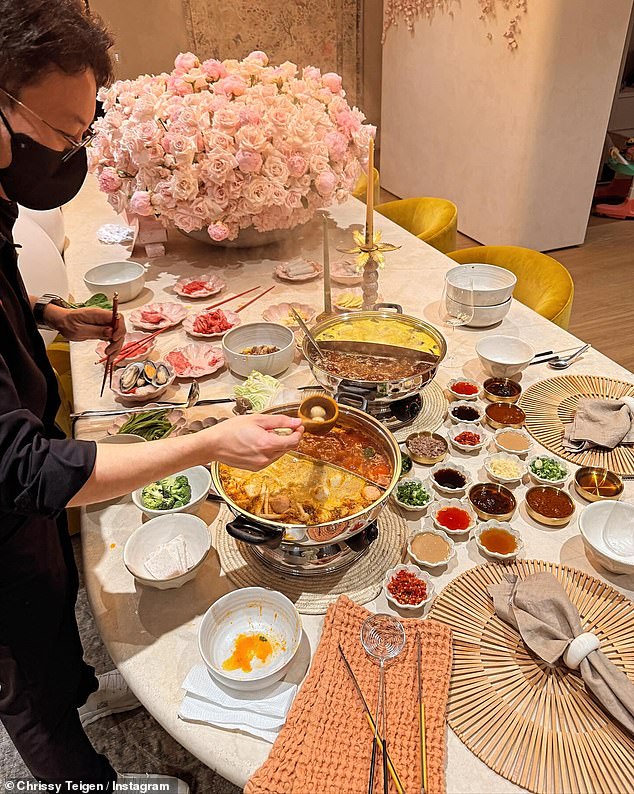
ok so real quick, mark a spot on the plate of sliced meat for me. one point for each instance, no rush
(195, 360)
(153, 316)
(131, 341)
(199, 286)
(210, 324)
(298, 270)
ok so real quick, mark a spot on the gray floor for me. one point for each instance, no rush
(134, 742)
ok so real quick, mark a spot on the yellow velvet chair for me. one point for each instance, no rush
(434, 220)
(361, 188)
(543, 283)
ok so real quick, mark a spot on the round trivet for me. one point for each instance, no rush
(313, 595)
(551, 404)
(432, 415)
(534, 725)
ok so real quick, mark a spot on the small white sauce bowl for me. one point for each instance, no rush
(519, 544)
(126, 277)
(520, 464)
(391, 573)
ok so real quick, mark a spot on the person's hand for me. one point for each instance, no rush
(249, 442)
(89, 322)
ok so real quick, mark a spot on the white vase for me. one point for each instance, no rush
(247, 238)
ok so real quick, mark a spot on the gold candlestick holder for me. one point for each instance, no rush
(369, 260)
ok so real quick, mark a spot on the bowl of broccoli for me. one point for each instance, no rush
(182, 492)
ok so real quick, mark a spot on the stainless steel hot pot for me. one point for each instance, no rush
(374, 391)
(292, 538)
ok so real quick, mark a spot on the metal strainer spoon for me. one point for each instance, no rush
(383, 638)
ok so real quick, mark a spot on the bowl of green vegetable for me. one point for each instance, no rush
(412, 493)
(547, 470)
(183, 492)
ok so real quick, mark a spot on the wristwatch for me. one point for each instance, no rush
(40, 305)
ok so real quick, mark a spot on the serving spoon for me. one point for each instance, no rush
(563, 362)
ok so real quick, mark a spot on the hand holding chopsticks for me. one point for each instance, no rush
(111, 359)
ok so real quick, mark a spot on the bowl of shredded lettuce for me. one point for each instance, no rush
(258, 391)
(183, 492)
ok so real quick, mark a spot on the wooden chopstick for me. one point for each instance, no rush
(138, 345)
(107, 373)
(232, 298)
(253, 300)
(373, 727)
(421, 718)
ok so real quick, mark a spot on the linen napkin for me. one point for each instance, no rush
(261, 713)
(600, 423)
(539, 608)
(326, 744)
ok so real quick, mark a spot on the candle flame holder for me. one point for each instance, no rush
(369, 260)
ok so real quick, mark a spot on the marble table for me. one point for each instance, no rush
(150, 634)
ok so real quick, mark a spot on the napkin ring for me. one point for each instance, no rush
(579, 648)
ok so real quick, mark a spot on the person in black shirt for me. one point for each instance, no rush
(54, 55)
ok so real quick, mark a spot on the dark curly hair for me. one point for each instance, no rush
(39, 35)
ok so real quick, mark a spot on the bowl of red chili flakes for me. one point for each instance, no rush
(407, 587)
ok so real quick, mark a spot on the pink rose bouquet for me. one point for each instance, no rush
(228, 145)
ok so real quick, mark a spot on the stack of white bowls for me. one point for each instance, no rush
(488, 288)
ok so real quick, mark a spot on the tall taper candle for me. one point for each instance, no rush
(369, 201)
(327, 291)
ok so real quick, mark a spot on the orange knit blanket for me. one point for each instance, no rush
(326, 743)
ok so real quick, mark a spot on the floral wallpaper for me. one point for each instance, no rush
(323, 33)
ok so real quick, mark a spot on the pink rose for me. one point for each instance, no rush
(162, 196)
(276, 169)
(311, 73)
(260, 57)
(218, 232)
(177, 85)
(325, 183)
(297, 165)
(318, 163)
(214, 69)
(205, 208)
(182, 147)
(217, 166)
(257, 194)
(249, 162)
(109, 180)
(337, 145)
(278, 194)
(233, 84)
(332, 81)
(251, 138)
(184, 186)
(186, 220)
(250, 115)
(226, 119)
(293, 199)
(185, 61)
(219, 194)
(117, 201)
(140, 203)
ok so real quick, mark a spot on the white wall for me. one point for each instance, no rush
(513, 138)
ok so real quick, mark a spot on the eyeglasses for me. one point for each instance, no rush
(74, 145)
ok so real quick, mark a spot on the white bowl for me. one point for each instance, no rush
(463, 397)
(127, 278)
(542, 480)
(468, 404)
(521, 466)
(199, 481)
(418, 573)
(492, 285)
(251, 334)
(161, 530)
(464, 427)
(503, 356)
(496, 554)
(455, 503)
(246, 611)
(502, 448)
(121, 438)
(601, 524)
(426, 529)
(425, 483)
(483, 316)
(444, 489)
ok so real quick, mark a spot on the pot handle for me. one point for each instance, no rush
(353, 399)
(396, 306)
(255, 534)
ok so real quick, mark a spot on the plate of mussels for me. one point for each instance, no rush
(143, 380)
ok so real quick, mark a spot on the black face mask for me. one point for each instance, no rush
(37, 178)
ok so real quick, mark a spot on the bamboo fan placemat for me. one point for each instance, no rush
(551, 404)
(536, 726)
(312, 595)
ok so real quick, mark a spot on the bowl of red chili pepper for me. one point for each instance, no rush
(464, 389)
(467, 438)
(407, 587)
